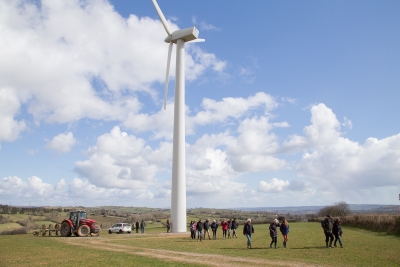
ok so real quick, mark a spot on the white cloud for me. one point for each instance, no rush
(12, 186)
(62, 143)
(289, 99)
(9, 107)
(347, 123)
(60, 185)
(275, 185)
(205, 26)
(119, 160)
(332, 161)
(34, 188)
(37, 188)
(232, 108)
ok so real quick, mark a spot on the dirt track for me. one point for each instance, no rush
(176, 256)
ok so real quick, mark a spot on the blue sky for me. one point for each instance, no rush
(288, 103)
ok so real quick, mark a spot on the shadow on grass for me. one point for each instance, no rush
(186, 241)
(310, 248)
(253, 248)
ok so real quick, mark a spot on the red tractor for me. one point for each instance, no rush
(79, 225)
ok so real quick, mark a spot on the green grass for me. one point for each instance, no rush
(306, 245)
(26, 250)
(9, 226)
(21, 217)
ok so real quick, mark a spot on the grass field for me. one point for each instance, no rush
(9, 226)
(156, 248)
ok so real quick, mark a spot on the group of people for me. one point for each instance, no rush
(332, 231)
(229, 230)
(139, 225)
(201, 229)
(273, 232)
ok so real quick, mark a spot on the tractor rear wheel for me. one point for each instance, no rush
(65, 229)
(83, 230)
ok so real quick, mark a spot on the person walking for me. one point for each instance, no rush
(168, 224)
(285, 231)
(142, 225)
(193, 229)
(327, 226)
(224, 225)
(273, 232)
(214, 227)
(137, 227)
(248, 230)
(199, 228)
(337, 232)
(190, 228)
(206, 231)
(234, 227)
(229, 228)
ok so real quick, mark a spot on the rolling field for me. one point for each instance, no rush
(306, 247)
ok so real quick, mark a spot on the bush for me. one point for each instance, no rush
(374, 222)
(18, 231)
(339, 209)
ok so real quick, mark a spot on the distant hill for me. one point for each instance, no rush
(355, 208)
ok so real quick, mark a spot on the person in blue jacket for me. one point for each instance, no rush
(285, 231)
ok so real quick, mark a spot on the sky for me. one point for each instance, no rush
(288, 103)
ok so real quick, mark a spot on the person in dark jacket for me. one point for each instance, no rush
(285, 231)
(168, 225)
(327, 226)
(234, 227)
(137, 227)
(214, 227)
(206, 227)
(337, 232)
(199, 227)
(273, 232)
(229, 228)
(248, 230)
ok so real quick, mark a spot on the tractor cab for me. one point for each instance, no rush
(76, 216)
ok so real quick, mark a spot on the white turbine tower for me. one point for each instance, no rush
(178, 194)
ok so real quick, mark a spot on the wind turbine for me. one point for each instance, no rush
(178, 193)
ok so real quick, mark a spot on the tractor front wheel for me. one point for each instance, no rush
(65, 229)
(95, 234)
(83, 230)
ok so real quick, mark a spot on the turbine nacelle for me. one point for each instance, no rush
(187, 35)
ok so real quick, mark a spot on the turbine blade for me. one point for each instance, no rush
(196, 41)
(162, 18)
(167, 75)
